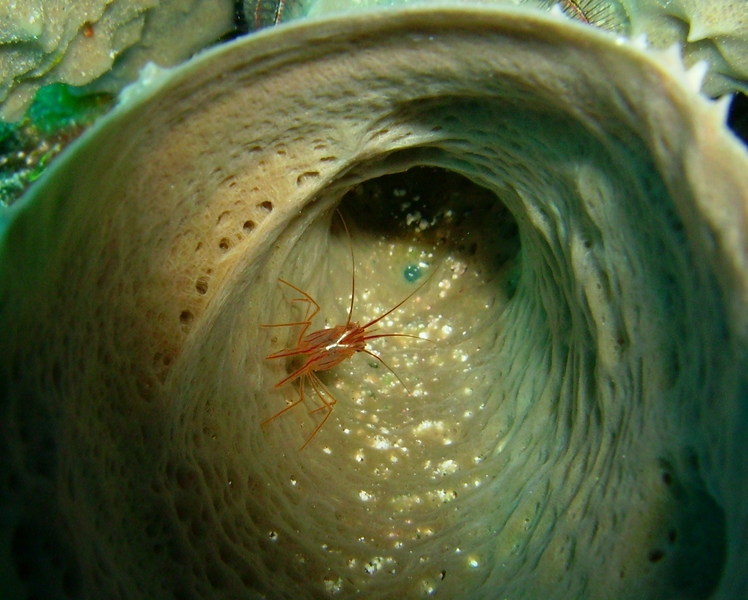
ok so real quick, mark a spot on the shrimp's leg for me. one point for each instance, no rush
(302, 380)
(317, 385)
(288, 352)
(319, 388)
(307, 322)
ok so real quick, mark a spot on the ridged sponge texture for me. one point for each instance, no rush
(715, 31)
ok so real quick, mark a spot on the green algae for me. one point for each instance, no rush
(58, 115)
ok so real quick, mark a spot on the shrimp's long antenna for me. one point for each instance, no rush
(353, 266)
(399, 304)
(382, 335)
(353, 284)
(389, 368)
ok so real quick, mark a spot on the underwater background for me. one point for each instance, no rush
(426, 299)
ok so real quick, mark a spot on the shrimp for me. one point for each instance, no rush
(326, 348)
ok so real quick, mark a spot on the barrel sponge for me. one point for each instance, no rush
(569, 421)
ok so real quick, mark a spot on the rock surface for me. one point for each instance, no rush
(49, 41)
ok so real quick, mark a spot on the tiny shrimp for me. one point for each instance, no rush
(326, 348)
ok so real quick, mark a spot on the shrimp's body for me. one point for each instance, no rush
(326, 348)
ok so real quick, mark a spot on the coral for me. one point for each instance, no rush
(575, 430)
(48, 41)
(712, 30)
